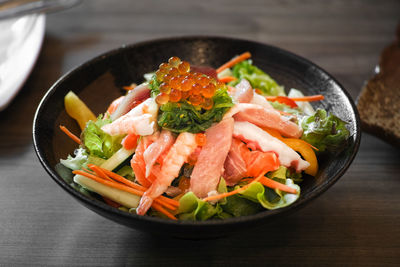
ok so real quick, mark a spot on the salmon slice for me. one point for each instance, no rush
(178, 154)
(210, 163)
(241, 162)
(249, 132)
(235, 166)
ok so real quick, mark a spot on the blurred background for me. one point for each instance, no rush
(357, 220)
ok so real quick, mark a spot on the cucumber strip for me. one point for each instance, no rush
(124, 198)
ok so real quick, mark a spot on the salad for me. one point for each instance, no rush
(198, 143)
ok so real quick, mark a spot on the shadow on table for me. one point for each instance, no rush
(244, 247)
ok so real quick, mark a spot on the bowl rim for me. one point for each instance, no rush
(208, 223)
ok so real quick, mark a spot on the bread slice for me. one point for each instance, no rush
(379, 100)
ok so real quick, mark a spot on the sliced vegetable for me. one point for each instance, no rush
(234, 61)
(257, 78)
(227, 79)
(97, 142)
(70, 135)
(78, 110)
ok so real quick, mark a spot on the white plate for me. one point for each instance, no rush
(20, 43)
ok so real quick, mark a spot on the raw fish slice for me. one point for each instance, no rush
(247, 131)
(264, 117)
(210, 163)
(235, 165)
(243, 92)
(184, 145)
(133, 98)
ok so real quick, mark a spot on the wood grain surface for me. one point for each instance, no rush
(356, 222)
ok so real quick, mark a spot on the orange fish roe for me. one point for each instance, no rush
(179, 84)
(201, 139)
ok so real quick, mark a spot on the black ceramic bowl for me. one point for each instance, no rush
(100, 80)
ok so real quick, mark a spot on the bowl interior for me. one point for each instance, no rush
(100, 80)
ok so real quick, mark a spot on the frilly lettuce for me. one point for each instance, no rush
(257, 78)
(250, 201)
(269, 198)
(323, 131)
(76, 162)
(97, 142)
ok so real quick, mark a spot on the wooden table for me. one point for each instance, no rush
(356, 222)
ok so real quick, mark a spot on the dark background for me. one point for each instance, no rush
(356, 222)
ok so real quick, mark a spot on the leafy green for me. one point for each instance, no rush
(97, 142)
(257, 78)
(154, 85)
(269, 198)
(195, 209)
(324, 132)
(127, 172)
(238, 206)
(285, 108)
(184, 117)
(76, 162)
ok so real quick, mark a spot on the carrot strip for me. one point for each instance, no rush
(164, 211)
(121, 187)
(130, 87)
(109, 183)
(234, 192)
(276, 185)
(227, 79)
(99, 172)
(70, 135)
(234, 61)
(309, 98)
(121, 179)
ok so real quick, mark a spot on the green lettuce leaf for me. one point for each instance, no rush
(324, 132)
(238, 206)
(195, 209)
(269, 198)
(184, 117)
(257, 78)
(97, 142)
(76, 162)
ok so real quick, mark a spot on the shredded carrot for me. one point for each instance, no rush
(276, 185)
(227, 79)
(121, 179)
(234, 61)
(234, 192)
(109, 183)
(130, 87)
(122, 187)
(99, 172)
(310, 98)
(159, 208)
(70, 135)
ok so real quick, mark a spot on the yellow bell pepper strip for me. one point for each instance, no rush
(78, 110)
(301, 146)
